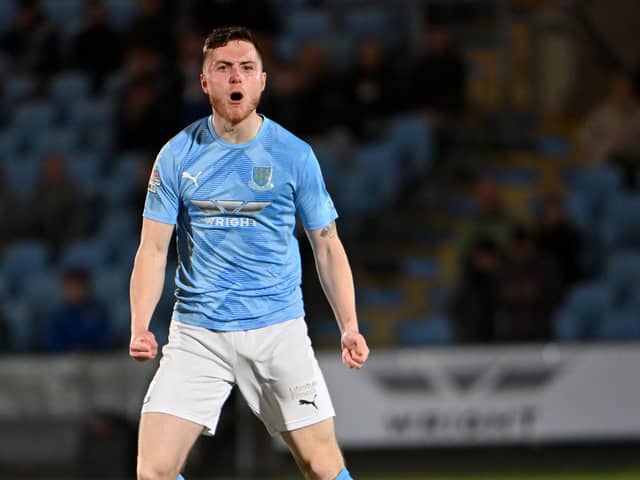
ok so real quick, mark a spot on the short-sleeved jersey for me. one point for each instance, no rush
(234, 207)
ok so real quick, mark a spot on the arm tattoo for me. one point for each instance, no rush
(329, 231)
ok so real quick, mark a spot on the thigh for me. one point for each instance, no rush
(194, 378)
(280, 378)
(164, 442)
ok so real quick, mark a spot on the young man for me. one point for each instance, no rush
(232, 184)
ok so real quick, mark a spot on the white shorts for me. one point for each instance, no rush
(274, 367)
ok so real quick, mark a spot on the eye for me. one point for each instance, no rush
(248, 67)
(221, 68)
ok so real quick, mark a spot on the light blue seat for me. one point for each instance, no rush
(32, 119)
(515, 176)
(372, 297)
(376, 166)
(93, 121)
(9, 144)
(22, 172)
(17, 89)
(65, 13)
(620, 224)
(56, 140)
(86, 171)
(89, 254)
(374, 21)
(595, 186)
(7, 13)
(68, 89)
(19, 318)
(619, 324)
(121, 12)
(420, 267)
(433, 330)
(42, 291)
(412, 137)
(22, 260)
(579, 317)
(307, 25)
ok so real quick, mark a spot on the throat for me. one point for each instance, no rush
(242, 132)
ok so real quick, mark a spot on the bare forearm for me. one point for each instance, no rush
(337, 282)
(147, 280)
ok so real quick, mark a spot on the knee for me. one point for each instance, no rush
(324, 468)
(155, 471)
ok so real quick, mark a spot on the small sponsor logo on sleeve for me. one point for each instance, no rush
(154, 181)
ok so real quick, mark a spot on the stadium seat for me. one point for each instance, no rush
(375, 165)
(412, 138)
(420, 267)
(579, 317)
(307, 25)
(65, 13)
(17, 89)
(68, 89)
(93, 120)
(370, 297)
(22, 172)
(32, 117)
(55, 140)
(8, 144)
(595, 186)
(121, 12)
(85, 170)
(42, 291)
(22, 260)
(433, 330)
(19, 320)
(373, 21)
(514, 176)
(620, 224)
(89, 254)
(619, 324)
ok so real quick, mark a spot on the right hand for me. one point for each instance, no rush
(143, 346)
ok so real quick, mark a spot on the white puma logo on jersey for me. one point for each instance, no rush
(188, 176)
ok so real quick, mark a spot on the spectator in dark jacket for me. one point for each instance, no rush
(80, 323)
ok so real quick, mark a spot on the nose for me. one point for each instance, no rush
(235, 76)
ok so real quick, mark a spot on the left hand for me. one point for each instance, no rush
(354, 349)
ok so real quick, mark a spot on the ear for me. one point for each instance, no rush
(264, 80)
(203, 83)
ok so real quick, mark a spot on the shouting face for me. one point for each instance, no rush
(233, 79)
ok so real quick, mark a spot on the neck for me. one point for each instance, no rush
(241, 132)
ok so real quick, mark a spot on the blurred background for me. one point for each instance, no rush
(483, 156)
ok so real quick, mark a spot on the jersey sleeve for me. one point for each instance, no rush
(162, 199)
(313, 202)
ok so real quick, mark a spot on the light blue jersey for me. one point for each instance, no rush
(234, 207)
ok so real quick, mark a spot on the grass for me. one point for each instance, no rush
(547, 476)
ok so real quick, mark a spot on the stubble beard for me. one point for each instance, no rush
(233, 116)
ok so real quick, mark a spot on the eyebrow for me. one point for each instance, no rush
(227, 62)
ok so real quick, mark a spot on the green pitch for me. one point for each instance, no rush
(549, 476)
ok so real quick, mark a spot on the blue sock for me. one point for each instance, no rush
(180, 477)
(344, 475)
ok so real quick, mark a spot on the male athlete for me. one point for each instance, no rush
(232, 184)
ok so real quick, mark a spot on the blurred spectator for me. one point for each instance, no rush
(528, 285)
(146, 117)
(32, 41)
(490, 219)
(96, 48)
(474, 301)
(80, 323)
(194, 100)
(4, 331)
(11, 213)
(313, 96)
(438, 80)
(260, 18)
(58, 209)
(611, 131)
(153, 29)
(369, 90)
(560, 240)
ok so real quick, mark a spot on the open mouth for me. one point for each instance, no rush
(236, 96)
